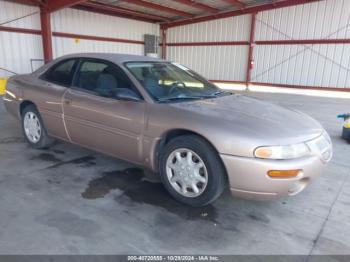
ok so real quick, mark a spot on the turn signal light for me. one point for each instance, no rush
(283, 173)
(263, 152)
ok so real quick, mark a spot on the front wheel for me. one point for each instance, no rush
(191, 170)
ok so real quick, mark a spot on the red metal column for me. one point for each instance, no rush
(46, 34)
(251, 48)
(164, 32)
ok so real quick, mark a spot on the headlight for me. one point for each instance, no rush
(282, 152)
(322, 147)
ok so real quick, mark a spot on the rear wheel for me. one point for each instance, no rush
(33, 128)
(192, 171)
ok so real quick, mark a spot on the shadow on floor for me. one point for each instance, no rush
(135, 188)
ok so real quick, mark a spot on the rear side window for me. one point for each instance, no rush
(88, 75)
(61, 73)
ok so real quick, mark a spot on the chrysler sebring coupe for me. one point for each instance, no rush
(168, 119)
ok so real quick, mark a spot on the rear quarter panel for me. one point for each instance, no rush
(13, 96)
(45, 96)
(48, 99)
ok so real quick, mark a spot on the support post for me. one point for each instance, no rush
(46, 33)
(164, 32)
(251, 49)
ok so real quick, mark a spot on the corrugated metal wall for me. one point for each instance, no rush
(10, 11)
(317, 20)
(215, 62)
(227, 29)
(322, 65)
(16, 49)
(87, 23)
(325, 65)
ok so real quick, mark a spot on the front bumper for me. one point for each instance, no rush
(248, 176)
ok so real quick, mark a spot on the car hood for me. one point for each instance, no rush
(260, 122)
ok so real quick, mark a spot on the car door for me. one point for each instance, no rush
(49, 95)
(99, 121)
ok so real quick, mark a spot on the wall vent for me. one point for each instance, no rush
(151, 45)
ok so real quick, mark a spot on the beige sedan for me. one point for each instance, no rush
(166, 118)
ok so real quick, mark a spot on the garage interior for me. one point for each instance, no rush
(69, 200)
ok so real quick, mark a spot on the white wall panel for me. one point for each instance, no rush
(88, 23)
(16, 50)
(10, 11)
(213, 62)
(63, 46)
(317, 20)
(311, 65)
(324, 65)
(227, 29)
(220, 62)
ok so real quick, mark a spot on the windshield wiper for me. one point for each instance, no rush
(180, 98)
(220, 93)
(215, 94)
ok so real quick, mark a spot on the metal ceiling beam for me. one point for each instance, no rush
(159, 7)
(247, 10)
(120, 11)
(236, 3)
(55, 5)
(104, 9)
(197, 5)
(29, 2)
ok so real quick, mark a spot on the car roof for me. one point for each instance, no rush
(114, 57)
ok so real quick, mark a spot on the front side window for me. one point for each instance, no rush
(166, 81)
(101, 78)
(61, 73)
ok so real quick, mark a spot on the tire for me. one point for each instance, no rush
(41, 140)
(174, 178)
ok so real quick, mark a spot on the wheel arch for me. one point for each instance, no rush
(173, 133)
(24, 104)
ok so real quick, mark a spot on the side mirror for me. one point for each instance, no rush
(127, 95)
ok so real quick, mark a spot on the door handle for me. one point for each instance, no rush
(67, 102)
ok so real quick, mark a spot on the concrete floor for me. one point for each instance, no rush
(68, 200)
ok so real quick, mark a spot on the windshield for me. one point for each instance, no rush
(166, 81)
